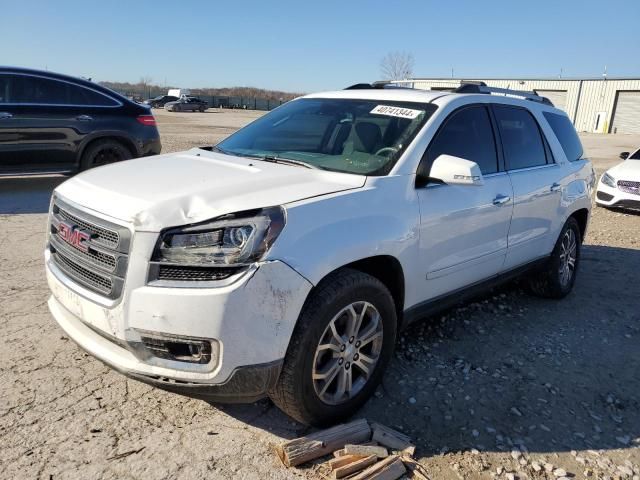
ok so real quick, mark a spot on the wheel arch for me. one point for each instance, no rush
(118, 137)
(385, 268)
(582, 217)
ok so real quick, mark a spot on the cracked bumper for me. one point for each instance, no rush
(251, 320)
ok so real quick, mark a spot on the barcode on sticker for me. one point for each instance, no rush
(396, 111)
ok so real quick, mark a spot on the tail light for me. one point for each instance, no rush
(148, 120)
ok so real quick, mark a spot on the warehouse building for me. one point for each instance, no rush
(602, 105)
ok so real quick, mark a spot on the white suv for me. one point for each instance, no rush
(284, 260)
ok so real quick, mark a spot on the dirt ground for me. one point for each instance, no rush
(508, 386)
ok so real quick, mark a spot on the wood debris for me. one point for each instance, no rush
(319, 444)
(360, 452)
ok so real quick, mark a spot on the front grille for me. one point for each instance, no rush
(99, 260)
(193, 274)
(629, 186)
(103, 236)
(85, 276)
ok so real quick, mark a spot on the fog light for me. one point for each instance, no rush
(175, 348)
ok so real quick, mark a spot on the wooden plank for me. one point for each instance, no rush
(379, 452)
(354, 467)
(341, 452)
(392, 438)
(342, 461)
(318, 444)
(391, 468)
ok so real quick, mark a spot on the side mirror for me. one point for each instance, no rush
(624, 155)
(456, 171)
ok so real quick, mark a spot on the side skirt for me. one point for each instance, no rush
(446, 301)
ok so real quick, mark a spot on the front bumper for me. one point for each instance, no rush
(607, 196)
(250, 320)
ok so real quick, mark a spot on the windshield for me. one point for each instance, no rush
(353, 136)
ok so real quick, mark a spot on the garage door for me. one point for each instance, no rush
(557, 97)
(626, 115)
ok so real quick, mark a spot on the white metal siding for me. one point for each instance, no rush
(557, 97)
(583, 98)
(626, 116)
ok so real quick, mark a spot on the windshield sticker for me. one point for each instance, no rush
(396, 111)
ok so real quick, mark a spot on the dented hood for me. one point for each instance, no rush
(169, 190)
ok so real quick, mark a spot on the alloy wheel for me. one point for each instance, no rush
(347, 353)
(568, 255)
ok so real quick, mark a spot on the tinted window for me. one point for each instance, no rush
(28, 89)
(45, 91)
(635, 155)
(83, 96)
(567, 136)
(521, 139)
(467, 134)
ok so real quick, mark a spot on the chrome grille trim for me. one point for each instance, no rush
(100, 268)
(629, 186)
(79, 273)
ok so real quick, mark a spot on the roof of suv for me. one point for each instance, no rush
(392, 94)
(63, 77)
(425, 96)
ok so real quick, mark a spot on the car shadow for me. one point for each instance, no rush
(509, 369)
(20, 195)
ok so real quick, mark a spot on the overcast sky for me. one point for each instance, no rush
(305, 46)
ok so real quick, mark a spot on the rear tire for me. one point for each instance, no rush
(104, 152)
(558, 276)
(326, 351)
(202, 109)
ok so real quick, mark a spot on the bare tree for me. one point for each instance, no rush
(146, 80)
(397, 66)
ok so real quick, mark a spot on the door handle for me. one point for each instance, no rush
(555, 187)
(501, 200)
(84, 118)
(4, 115)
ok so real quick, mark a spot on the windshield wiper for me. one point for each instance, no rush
(285, 161)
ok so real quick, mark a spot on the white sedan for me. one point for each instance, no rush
(620, 185)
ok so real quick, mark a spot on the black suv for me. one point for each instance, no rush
(53, 123)
(160, 100)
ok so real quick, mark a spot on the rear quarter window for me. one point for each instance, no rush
(566, 134)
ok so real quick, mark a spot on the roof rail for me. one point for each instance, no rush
(380, 84)
(481, 87)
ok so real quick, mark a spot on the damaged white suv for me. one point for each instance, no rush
(284, 260)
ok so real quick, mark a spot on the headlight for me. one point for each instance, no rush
(238, 239)
(608, 180)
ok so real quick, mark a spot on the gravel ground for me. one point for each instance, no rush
(508, 386)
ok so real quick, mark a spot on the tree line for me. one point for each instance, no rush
(146, 89)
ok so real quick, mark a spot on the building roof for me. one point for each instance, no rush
(530, 79)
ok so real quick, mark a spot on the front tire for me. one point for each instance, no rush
(339, 350)
(558, 276)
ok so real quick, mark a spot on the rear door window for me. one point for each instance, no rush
(566, 134)
(83, 96)
(522, 141)
(467, 134)
(38, 90)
